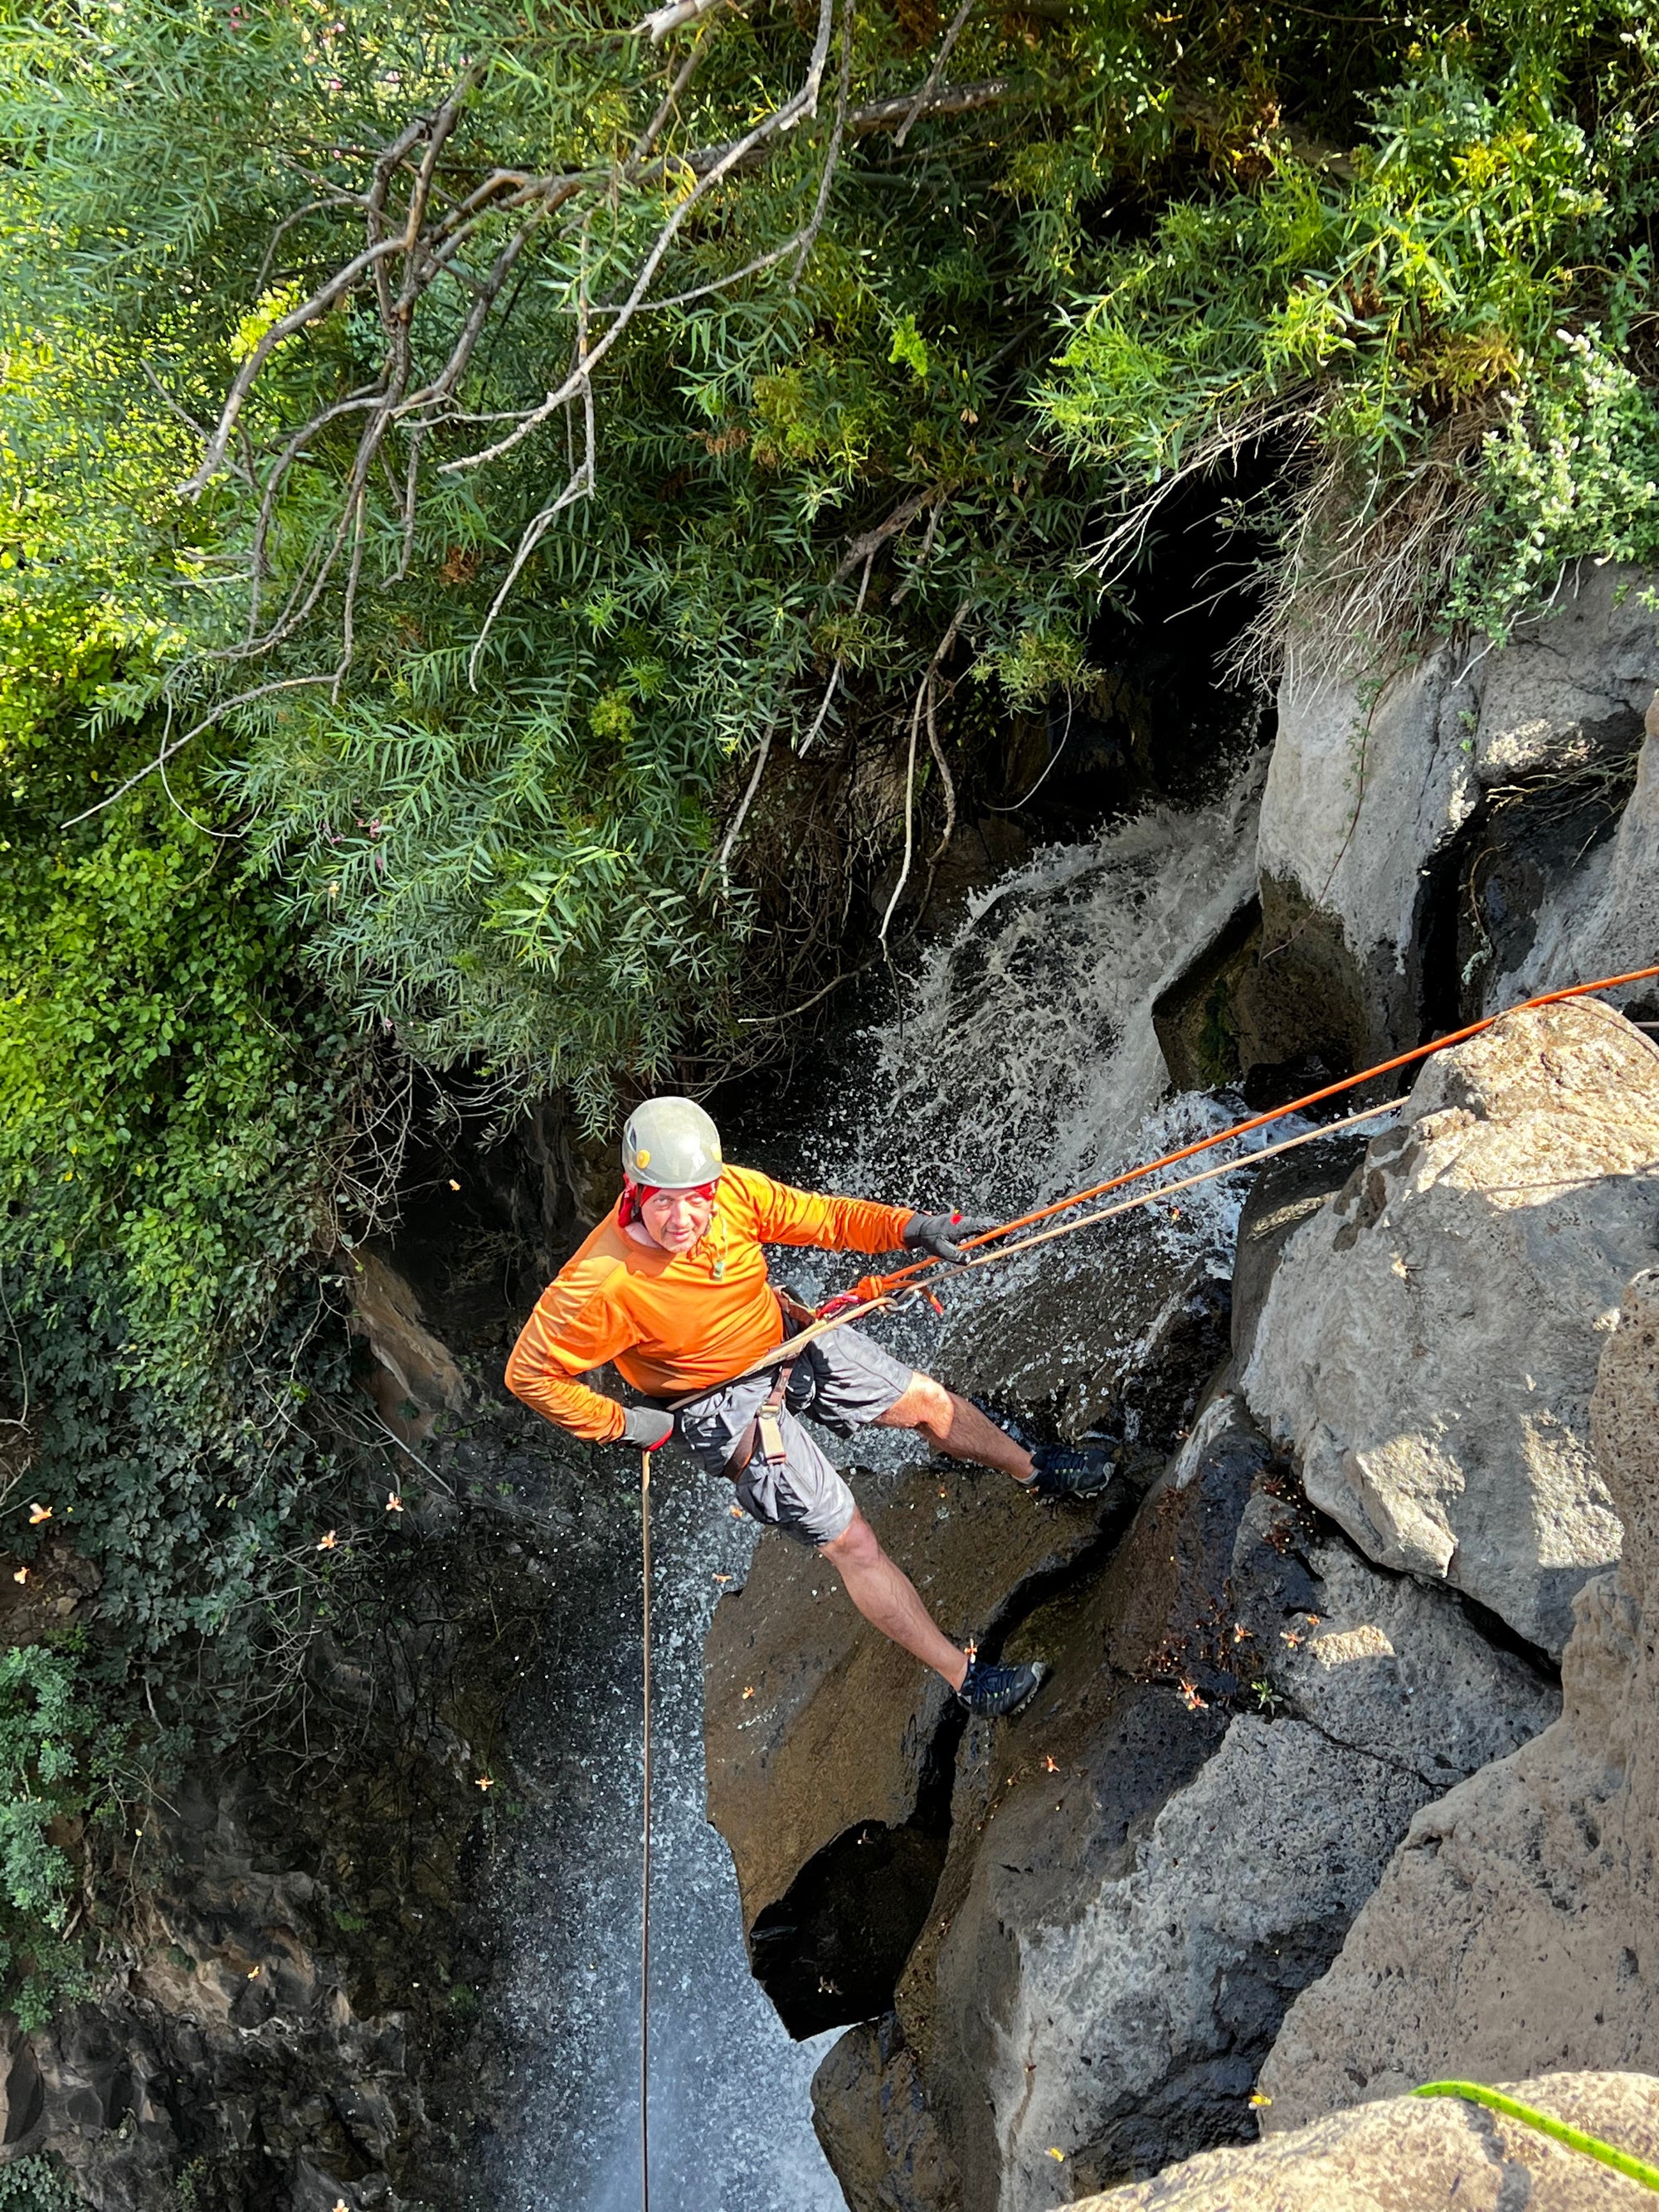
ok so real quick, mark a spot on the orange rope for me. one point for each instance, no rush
(871, 1287)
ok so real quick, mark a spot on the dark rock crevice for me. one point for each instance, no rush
(1487, 884)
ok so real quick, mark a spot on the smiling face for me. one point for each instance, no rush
(677, 1219)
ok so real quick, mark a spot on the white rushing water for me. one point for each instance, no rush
(1024, 1064)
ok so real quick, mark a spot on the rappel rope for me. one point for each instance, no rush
(888, 1293)
(891, 1292)
(645, 1849)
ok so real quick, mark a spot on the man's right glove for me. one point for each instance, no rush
(646, 1427)
(937, 1232)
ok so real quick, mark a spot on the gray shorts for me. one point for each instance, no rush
(843, 1380)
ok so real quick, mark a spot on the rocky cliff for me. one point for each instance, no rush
(1516, 1924)
(1297, 1787)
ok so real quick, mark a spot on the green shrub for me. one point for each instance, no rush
(37, 2185)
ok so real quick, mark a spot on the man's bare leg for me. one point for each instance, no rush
(890, 1601)
(958, 1430)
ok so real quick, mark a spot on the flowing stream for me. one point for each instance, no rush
(1023, 1064)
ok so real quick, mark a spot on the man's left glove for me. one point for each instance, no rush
(647, 1426)
(937, 1232)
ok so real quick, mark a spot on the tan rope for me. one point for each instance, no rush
(645, 1883)
(792, 1346)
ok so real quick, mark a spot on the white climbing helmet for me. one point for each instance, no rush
(671, 1143)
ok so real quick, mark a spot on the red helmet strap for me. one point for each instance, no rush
(634, 1195)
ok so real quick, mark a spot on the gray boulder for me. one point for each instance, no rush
(1418, 2154)
(1360, 802)
(1515, 1927)
(1147, 1866)
(1429, 1344)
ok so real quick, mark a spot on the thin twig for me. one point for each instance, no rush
(909, 808)
(870, 541)
(818, 720)
(718, 865)
(647, 138)
(923, 703)
(832, 158)
(580, 485)
(242, 699)
(931, 85)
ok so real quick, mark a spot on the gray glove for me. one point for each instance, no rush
(935, 1232)
(646, 1427)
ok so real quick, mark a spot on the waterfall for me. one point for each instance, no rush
(1022, 1063)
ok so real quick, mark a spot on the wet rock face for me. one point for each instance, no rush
(1514, 1925)
(409, 1373)
(1428, 1346)
(871, 2117)
(1285, 1193)
(1123, 1327)
(1148, 1865)
(830, 1749)
(1244, 1716)
(1425, 2152)
(230, 2041)
(831, 1779)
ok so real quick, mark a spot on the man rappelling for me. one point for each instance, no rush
(672, 1288)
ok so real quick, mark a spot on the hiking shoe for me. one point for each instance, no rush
(996, 1692)
(1074, 1470)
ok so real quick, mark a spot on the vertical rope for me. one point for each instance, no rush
(645, 1884)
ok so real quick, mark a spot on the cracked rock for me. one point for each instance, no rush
(1428, 1346)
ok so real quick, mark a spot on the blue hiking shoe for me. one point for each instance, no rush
(1081, 1470)
(996, 1692)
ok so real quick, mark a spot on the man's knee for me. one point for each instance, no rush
(926, 1404)
(855, 1547)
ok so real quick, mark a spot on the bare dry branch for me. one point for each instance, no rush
(801, 104)
(819, 719)
(832, 158)
(242, 699)
(717, 866)
(930, 85)
(715, 284)
(354, 574)
(948, 100)
(648, 137)
(923, 704)
(871, 543)
(661, 21)
(307, 312)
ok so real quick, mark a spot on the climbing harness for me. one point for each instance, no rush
(1621, 2161)
(766, 1429)
(645, 1880)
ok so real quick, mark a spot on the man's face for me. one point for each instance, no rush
(677, 1219)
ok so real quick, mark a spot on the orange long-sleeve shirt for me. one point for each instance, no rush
(675, 1322)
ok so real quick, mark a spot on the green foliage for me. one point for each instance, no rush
(37, 2185)
(1572, 472)
(407, 731)
(1445, 314)
(43, 1727)
(174, 1117)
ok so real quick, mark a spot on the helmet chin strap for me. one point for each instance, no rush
(632, 1207)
